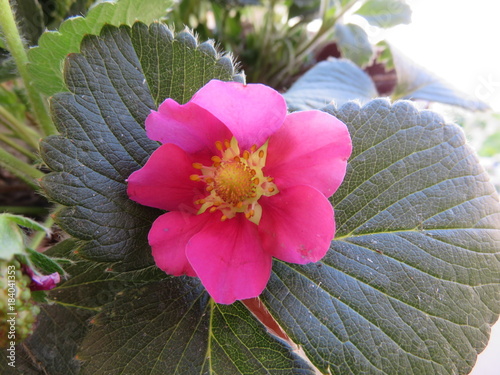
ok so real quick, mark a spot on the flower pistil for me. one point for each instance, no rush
(235, 181)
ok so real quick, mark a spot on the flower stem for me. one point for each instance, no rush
(16, 146)
(24, 210)
(16, 48)
(49, 221)
(21, 169)
(27, 134)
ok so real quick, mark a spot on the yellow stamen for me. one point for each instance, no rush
(195, 177)
(197, 165)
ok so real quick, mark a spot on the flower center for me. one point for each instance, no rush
(235, 181)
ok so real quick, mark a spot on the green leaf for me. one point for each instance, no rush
(337, 80)
(53, 346)
(385, 13)
(11, 238)
(91, 285)
(172, 327)
(181, 66)
(30, 19)
(103, 140)
(491, 146)
(411, 282)
(353, 43)
(415, 82)
(42, 262)
(25, 222)
(47, 59)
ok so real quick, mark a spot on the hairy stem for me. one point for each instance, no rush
(16, 146)
(39, 236)
(27, 134)
(24, 171)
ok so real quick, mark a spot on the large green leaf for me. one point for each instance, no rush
(47, 59)
(385, 13)
(102, 139)
(333, 80)
(53, 346)
(172, 327)
(411, 283)
(416, 82)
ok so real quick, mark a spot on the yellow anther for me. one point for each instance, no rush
(239, 204)
(223, 218)
(253, 148)
(215, 158)
(195, 177)
(256, 181)
(261, 154)
(271, 189)
(218, 145)
(213, 209)
(236, 159)
(227, 143)
(197, 165)
(246, 155)
(209, 188)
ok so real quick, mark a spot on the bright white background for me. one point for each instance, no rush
(459, 40)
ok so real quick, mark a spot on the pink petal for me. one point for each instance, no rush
(312, 149)
(188, 126)
(164, 181)
(44, 282)
(229, 259)
(168, 238)
(251, 112)
(297, 224)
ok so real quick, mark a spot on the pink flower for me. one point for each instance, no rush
(41, 282)
(244, 182)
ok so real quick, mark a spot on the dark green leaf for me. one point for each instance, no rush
(8, 69)
(181, 66)
(411, 283)
(332, 80)
(90, 285)
(53, 346)
(415, 82)
(353, 43)
(44, 263)
(172, 327)
(385, 13)
(30, 19)
(47, 59)
(103, 139)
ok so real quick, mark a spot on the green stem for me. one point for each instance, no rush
(16, 146)
(39, 236)
(16, 48)
(21, 169)
(24, 210)
(27, 134)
